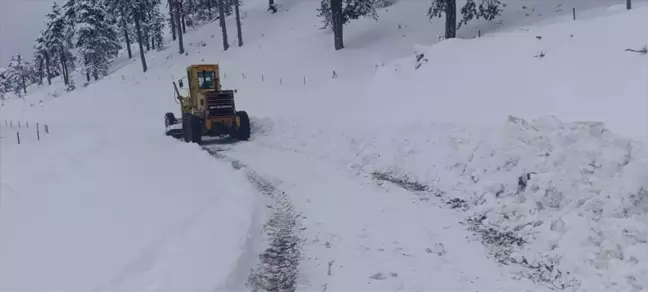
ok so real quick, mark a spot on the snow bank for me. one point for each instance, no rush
(573, 194)
(563, 203)
(106, 201)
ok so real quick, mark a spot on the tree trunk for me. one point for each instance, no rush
(336, 15)
(47, 67)
(22, 75)
(451, 19)
(238, 22)
(86, 63)
(173, 21)
(140, 40)
(128, 45)
(184, 24)
(41, 71)
(126, 36)
(271, 6)
(628, 4)
(95, 74)
(221, 12)
(181, 49)
(64, 70)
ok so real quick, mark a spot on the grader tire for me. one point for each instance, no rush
(244, 130)
(196, 129)
(186, 128)
(169, 119)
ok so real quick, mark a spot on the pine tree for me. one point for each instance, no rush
(156, 25)
(487, 9)
(137, 13)
(337, 13)
(97, 39)
(189, 8)
(4, 85)
(119, 10)
(18, 75)
(171, 19)
(58, 41)
(351, 10)
(41, 57)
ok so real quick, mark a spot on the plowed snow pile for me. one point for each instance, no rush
(563, 203)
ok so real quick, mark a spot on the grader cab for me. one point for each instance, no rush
(207, 110)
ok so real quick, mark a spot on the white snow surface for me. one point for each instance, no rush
(106, 202)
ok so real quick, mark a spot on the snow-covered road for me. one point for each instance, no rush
(361, 236)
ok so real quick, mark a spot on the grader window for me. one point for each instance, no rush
(206, 80)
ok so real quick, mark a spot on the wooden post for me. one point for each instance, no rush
(479, 33)
(46, 129)
(304, 80)
(574, 13)
(18, 137)
(37, 132)
(27, 123)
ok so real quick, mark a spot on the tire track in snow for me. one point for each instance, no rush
(277, 268)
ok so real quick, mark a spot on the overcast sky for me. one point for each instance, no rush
(20, 22)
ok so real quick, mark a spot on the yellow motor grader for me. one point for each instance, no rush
(207, 110)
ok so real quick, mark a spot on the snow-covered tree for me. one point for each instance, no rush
(4, 86)
(41, 59)
(118, 9)
(96, 40)
(337, 13)
(155, 24)
(19, 74)
(58, 41)
(176, 13)
(351, 10)
(136, 10)
(487, 9)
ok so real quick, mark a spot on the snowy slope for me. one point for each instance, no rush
(107, 202)
(383, 166)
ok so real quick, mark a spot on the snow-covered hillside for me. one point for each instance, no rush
(512, 161)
